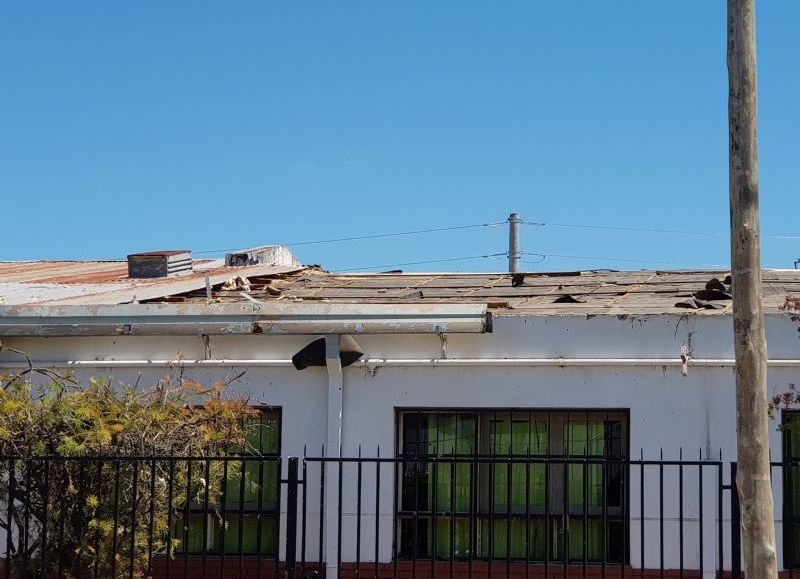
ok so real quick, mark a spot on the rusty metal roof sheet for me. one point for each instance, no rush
(107, 282)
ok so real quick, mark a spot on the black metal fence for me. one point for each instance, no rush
(267, 516)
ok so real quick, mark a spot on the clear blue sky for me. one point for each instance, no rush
(132, 126)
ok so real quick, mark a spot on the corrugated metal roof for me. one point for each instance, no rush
(554, 293)
(107, 282)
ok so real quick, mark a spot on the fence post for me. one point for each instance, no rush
(291, 518)
(736, 528)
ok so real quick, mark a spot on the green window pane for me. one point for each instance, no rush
(195, 526)
(263, 433)
(448, 435)
(519, 437)
(595, 540)
(446, 531)
(536, 539)
(585, 439)
(268, 478)
(269, 535)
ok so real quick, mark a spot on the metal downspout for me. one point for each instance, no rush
(333, 449)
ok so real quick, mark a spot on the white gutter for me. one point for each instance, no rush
(403, 363)
(252, 317)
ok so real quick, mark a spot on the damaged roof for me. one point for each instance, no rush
(706, 292)
(557, 293)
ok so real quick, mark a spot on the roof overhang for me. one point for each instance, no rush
(250, 318)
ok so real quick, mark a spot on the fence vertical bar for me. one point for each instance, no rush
(339, 517)
(359, 474)
(186, 507)
(260, 516)
(170, 513)
(566, 521)
(585, 501)
(736, 527)
(453, 466)
(680, 512)
(434, 514)
(134, 501)
(10, 515)
(528, 503)
(62, 521)
(240, 550)
(509, 475)
(700, 502)
(473, 528)
(303, 516)
(720, 513)
(206, 490)
(81, 499)
(45, 513)
(291, 518)
(224, 519)
(641, 514)
(27, 515)
(661, 514)
(548, 525)
(115, 531)
(377, 511)
(151, 524)
(322, 509)
(395, 507)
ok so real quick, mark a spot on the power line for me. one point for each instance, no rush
(374, 236)
(645, 229)
(544, 256)
(619, 228)
(425, 262)
(498, 224)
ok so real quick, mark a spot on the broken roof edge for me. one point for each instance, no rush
(250, 318)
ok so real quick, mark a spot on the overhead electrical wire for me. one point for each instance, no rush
(643, 229)
(374, 236)
(619, 228)
(425, 262)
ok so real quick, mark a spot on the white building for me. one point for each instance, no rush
(621, 367)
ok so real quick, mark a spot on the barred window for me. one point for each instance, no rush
(561, 491)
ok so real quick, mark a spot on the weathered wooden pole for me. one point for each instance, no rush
(753, 479)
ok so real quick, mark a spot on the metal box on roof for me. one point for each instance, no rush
(153, 264)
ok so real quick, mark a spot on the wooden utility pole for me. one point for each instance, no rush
(753, 479)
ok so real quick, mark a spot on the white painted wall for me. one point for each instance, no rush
(668, 412)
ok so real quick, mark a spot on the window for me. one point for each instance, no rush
(791, 488)
(458, 499)
(251, 487)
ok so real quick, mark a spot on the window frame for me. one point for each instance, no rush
(548, 518)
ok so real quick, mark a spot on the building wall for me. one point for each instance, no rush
(670, 413)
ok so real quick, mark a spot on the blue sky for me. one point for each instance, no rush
(208, 125)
